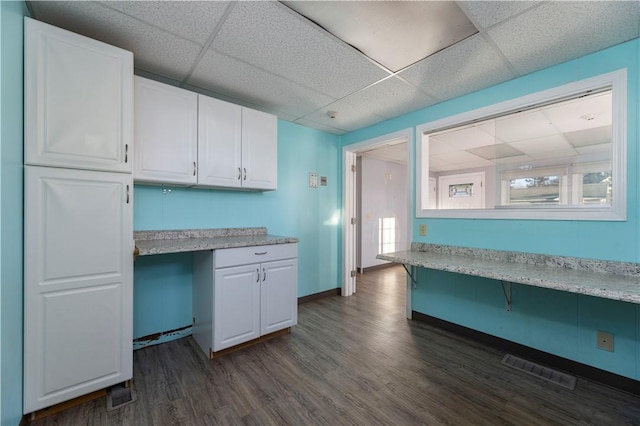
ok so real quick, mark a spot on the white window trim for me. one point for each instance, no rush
(616, 212)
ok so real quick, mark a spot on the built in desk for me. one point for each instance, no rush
(592, 277)
(189, 240)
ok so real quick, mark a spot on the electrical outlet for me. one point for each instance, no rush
(423, 230)
(605, 340)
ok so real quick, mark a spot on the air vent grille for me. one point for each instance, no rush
(538, 370)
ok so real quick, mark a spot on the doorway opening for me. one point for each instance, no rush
(377, 184)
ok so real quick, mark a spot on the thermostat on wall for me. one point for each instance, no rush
(313, 180)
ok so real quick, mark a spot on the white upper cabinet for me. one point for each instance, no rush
(219, 143)
(78, 101)
(188, 139)
(166, 133)
(259, 150)
(237, 146)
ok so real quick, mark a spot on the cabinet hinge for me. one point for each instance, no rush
(353, 273)
(354, 221)
(353, 168)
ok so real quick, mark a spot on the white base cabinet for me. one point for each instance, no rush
(78, 283)
(241, 294)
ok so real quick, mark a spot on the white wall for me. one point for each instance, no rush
(383, 195)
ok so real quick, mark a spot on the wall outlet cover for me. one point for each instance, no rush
(604, 340)
(423, 230)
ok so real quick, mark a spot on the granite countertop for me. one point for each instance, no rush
(177, 241)
(605, 279)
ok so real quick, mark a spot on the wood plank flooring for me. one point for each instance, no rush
(351, 361)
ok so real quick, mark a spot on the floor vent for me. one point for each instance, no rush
(537, 370)
(119, 396)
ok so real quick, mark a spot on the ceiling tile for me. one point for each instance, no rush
(554, 155)
(457, 160)
(513, 160)
(583, 113)
(372, 27)
(193, 20)
(390, 98)
(154, 50)
(597, 151)
(463, 68)
(523, 126)
(465, 138)
(488, 13)
(539, 147)
(274, 38)
(349, 117)
(558, 31)
(495, 152)
(588, 137)
(227, 76)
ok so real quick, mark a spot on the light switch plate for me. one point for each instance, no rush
(313, 180)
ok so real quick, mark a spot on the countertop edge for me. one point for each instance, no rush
(184, 245)
(616, 287)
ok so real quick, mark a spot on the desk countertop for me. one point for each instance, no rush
(162, 242)
(605, 279)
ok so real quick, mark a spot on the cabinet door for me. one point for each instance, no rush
(78, 283)
(236, 316)
(259, 149)
(279, 295)
(78, 101)
(166, 130)
(219, 143)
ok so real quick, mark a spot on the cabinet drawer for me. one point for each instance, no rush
(256, 254)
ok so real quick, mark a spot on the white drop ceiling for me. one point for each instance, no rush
(264, 55)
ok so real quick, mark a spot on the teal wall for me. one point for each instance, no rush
(162, 299)
(559, 323)
(11, 137)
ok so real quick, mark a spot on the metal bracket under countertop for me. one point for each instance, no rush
(413, 280)
(507, 293)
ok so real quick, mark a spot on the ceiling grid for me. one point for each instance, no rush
(267, 56)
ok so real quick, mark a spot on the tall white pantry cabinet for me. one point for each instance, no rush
(78, 264)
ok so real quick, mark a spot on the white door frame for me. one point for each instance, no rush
(348, 226)
(349, 203)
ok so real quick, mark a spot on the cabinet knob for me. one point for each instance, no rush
(258, 274)
(239, 173)
(194, 168)
(245, 174)
(264, 274)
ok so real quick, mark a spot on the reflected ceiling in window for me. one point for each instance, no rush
(575, 128)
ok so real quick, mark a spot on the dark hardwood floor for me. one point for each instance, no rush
(351, 361)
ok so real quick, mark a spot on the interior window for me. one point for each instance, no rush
(542, 156)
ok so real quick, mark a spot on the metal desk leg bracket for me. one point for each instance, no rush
(507, 294)
(413, 280)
